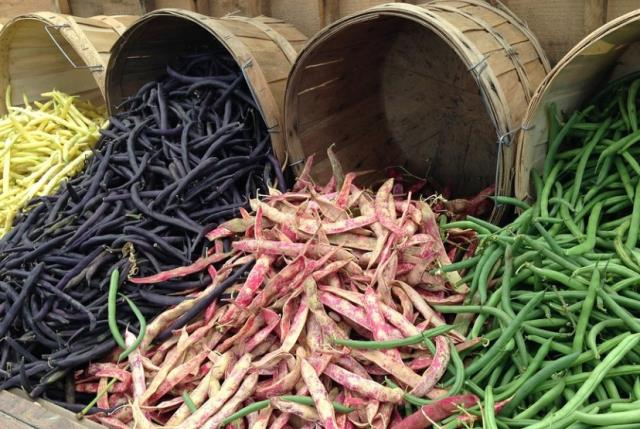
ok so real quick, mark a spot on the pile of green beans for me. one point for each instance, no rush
(561, 283)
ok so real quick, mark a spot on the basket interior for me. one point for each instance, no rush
(149, 47)
(390, 92)
(32, 64)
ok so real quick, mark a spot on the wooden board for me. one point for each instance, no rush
(101, 7)
(11, 8)
(561, 24)
(84, 8)
(19, 412)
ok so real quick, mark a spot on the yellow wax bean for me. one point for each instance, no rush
(42, 144)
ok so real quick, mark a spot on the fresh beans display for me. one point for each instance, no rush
(176, 282)
(42, 145)
(334, 324)
(573, 359)
(186, 153)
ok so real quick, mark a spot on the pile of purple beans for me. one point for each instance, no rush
(185, 154)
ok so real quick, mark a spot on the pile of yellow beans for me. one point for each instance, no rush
(41, 145)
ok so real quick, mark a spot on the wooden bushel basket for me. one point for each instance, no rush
(264, 48)
(432, 88)
(609, 52)
(43, 51)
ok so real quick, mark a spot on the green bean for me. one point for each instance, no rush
(484, 223)
(610, 387)
(525, 295)
(257, 406)
(610, 267)
(614, 223)
(587, 307)
(623, 426)
(634, 226)
(474, 388)
(543, 402)
(617, 208)
(505, 297)
(488, 413)
(308, 401)
(584, 157)
(392, 344)
(621, 250)
(505, 200)
(492, 311)
(557, 276)
(596, 191)
(624, 177)
(554, 322)
(481, 263)
(546, 252)
(509, 374)
(505, 337)
(111, 309)
(495, 362)
(616, 201)
(620, 145)
(463, 224)
(632, 162)
(99, 395)
(506, 391)
(553, 244)
(622, 284)
(631, 104)
(189, 402)
(555, 144)
(559, 347)
(458, 366)
(609, 419)
(485, 273)
(492, 303)
(143, 329)
(624, 385)
(534, 381)
(589, 243)
(570, 153)
(412, 399)
(636, 389)
(457, 266)
(568, 393)
(495, 375)
(593, 408)
(604, 171)
(546, 190)
(623, 112)
(596, 377)
(596, 329)
(532, 330)
(631, 322)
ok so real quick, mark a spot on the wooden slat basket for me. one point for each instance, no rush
(264, 48)
(43, 51)
(609, 52)
(432, 88)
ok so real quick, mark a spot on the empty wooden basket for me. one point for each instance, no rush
(433, 88)
(264, 48)
(43, 51)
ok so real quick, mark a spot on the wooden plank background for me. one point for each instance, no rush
(19, 412)
(558, 24)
